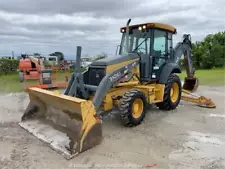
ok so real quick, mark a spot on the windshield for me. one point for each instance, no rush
(139, 42)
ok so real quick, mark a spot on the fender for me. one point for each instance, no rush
(167, 70)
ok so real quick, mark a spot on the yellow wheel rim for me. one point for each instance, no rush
(174, 92)
(137, 108)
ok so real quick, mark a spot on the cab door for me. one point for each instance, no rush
(159, 52)
(143, 52)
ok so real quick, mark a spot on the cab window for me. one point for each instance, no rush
(159, 47)
(139, 42)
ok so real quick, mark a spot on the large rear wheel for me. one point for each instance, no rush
(172, 93)
(132, 107)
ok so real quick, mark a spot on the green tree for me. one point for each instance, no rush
(210, 52)
(60, 55)
(37, 54)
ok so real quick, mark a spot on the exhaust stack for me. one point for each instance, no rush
(127, 35)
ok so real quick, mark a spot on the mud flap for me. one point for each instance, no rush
(68, 124)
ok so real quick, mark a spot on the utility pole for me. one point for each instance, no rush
(12, 54)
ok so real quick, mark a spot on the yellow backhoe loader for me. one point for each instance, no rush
(144, 72)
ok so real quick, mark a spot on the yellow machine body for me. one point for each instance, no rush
(70, 124)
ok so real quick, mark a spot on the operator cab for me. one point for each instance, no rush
(152, 42)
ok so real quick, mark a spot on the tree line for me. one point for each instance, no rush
(207, 54)
(210, 52)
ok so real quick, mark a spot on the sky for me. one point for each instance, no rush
(46, 26)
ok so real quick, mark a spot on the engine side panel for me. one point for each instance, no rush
(114, 60)
(114, 67)
(95, 74)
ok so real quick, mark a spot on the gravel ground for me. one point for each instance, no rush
(186, 138)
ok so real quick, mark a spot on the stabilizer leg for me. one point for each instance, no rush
(201, 101)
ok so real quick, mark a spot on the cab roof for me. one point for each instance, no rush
(162, 26)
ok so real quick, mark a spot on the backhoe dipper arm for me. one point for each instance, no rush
(185, 48)
(191, 82)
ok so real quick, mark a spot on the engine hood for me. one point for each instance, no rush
(114, 60)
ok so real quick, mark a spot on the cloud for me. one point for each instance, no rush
(46, 26)
(66, 7)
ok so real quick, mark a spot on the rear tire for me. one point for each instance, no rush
(172, 93)
(132, 107)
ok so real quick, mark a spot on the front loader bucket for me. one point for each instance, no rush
(191, 84)
(66, 123)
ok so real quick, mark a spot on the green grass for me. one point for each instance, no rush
(213, 77)
(10, 83)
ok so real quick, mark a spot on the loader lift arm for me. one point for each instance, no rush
(76, 83)
(191, 83)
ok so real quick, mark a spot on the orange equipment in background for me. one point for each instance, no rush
(31, 68)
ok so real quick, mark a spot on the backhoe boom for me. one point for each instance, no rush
(191, 83)
(184, 49)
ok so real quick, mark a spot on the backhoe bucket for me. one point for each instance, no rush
(191, 84)
(66, 123)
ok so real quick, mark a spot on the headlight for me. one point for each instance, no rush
(140, 28)
(144, 27)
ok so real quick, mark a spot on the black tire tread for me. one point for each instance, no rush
(125, 108)
(166, 104)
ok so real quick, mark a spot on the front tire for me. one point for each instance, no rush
(172, 93)
(132, 107)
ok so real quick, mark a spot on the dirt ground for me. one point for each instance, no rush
(189, 137)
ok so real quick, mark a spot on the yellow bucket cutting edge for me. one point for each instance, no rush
(68, 124)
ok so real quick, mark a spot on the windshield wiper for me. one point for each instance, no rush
(140, 43)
